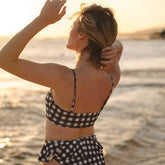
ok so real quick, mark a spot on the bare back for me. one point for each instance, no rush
(92, 90)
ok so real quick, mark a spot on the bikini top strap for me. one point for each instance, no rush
(111, 86)
(74, 98)
(109, 91)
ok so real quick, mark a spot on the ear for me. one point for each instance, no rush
(81, 36)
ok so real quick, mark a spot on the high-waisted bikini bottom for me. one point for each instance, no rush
(82, 151)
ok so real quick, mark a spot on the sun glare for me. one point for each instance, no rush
(4, 142)
(131, 15)
(14, 15)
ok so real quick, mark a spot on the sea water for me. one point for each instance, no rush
(131, 127)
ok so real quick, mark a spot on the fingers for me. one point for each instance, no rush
(58, 3)
(47, 2)
(106, 63)
(109, 48)
(108, 57)
(109, 53)
(55, 3)
(62, 13)
(61, 4)
(52, 11)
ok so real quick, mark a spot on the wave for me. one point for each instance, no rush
(145, 147)
(149, 85)
(143, 72)
(11, 106)
(143, 78)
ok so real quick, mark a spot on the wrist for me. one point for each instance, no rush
(40, 23)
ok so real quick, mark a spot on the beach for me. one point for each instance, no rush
(131, 127)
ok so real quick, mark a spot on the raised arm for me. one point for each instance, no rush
(34, 72)
(119, 48)
(111, 57)
(112, 53)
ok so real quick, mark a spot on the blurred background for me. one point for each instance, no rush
(132, 15)
(131, 127)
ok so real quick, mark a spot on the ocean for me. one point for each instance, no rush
(131, 127)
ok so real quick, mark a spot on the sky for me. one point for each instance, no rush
(131, 15)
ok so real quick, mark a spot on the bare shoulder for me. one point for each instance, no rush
(60, 76)
(50, 75)
(64, 75)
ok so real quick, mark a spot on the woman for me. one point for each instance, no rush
(77, 95)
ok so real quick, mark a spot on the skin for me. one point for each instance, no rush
(91, 82)
(112, 57)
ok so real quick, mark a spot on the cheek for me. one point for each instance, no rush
(72, 42)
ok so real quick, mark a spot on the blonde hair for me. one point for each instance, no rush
(100, 27)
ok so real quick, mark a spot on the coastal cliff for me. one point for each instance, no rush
(155, 33)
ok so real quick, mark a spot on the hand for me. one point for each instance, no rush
(50, 13)
(108, 55)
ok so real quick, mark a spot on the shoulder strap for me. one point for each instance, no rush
(109, 91)
(74, 98)
(111, 86)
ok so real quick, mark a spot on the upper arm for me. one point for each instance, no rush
(49, 75)
(114, 68)
(115, 71)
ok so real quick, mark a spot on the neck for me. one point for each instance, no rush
(83, 61)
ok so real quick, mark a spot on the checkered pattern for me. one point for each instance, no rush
(67, 118)
(82, 151)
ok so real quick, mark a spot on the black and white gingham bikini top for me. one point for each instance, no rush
(70, 119)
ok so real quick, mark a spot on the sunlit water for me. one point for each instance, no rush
(132, 126)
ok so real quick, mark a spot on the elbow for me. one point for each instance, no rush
(1, 62)
(6, 64)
